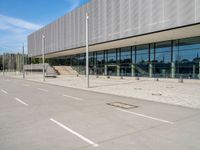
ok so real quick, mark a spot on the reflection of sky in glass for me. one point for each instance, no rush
(100, 58)
(142, 53)
(163, 52)
(126, 55)
(111, 56)
(188, 49)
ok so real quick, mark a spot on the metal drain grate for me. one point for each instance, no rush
(138, 88)
(122, 105)
(156, 94)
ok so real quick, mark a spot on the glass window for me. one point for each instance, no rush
(100, 58)
(75, 60)
(142, 60)
(125, 61)
(100, 62)
(111, 56)
(125, 57)
(163, 52)
(152, 52)
(91, 59)
(82, 59)
(142, 54)
(162, 66)
(133, 55)
(186, 57)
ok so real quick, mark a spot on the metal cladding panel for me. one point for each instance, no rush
(186, 11)
(124, 12)
(197, 12)
(111, 20)
(134, 17)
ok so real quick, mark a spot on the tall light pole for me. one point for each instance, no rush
(87, 51)
(43, 52)
(3, 65)
(31, 64)
(23, 61)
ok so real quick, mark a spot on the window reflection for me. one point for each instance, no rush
(162, 59)
(142, 60)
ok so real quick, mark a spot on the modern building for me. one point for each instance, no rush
(150, 38)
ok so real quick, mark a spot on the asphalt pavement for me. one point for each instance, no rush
(37, 116)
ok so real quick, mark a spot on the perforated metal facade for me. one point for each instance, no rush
(112, 20)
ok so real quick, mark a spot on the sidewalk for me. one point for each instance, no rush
(165, 90)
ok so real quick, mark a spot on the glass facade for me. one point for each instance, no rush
(162, 62)
(168, 59)
(125, 61)
(142, 60)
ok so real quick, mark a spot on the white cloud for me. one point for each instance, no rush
(15, 22)
(13, 32)
(12, 42)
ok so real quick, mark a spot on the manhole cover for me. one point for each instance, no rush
(157, 94)
(169, 87)
(122, 105)
(138, 88)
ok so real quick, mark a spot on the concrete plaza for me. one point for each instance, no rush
(165, 90)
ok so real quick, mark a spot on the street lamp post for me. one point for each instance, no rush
(87, 50)
(3, 65)
(23, 61)
(31, 64)
(43, 57)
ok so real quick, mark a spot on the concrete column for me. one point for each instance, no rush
(193, 71)
(133, 70)
(173, 70)
(118, 70)
(95, 69)
(150, 70)
(105, 70)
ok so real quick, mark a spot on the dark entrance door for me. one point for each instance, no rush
(112, 70)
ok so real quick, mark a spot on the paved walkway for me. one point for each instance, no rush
(165, 90)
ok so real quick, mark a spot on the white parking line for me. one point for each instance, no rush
(17, 99)
(75, 133)
(145, 116)
(5, 92)
(44, 90)
(76, 98)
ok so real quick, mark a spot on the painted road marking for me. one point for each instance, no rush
(17, 99)
(44, 90)
(145, 116)
(76, 98)
(75, 133)
(5, 92)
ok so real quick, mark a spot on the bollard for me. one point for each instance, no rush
(108, 77)
(77, 75)
(157, 79)
(121, 77)
(97, 76)
(180, 80)
(137, 78)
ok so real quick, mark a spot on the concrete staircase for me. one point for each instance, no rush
(65, 70)
(38, 68)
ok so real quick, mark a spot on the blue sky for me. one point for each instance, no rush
(19, 18)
